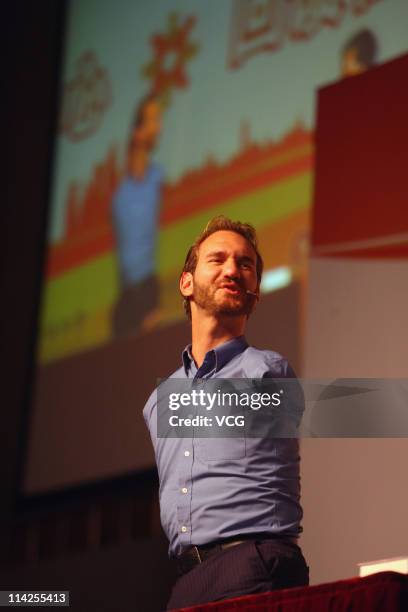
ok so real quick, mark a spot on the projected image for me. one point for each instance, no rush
(171, 114)
(135, 214)
(167, 119)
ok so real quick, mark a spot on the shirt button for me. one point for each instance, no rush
(186, 453)
(184, 490)
(183, 528)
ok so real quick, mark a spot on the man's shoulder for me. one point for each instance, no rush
(179, 373)
(273, 365)
(268, 363)
(152, 400)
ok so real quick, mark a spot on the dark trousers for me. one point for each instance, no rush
(134, 303)
(255, 566)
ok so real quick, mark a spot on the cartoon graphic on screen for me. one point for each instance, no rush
(135, 212)
(359, 53)
(172, 49)
(136, 203)
(238, 140)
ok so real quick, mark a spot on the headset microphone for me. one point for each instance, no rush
(255, 295)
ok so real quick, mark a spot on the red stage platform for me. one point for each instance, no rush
(383, 592)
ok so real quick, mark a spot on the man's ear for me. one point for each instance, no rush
(186, 284)
(258, 292)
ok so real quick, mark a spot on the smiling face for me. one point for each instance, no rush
(225, 271)
(147, 131)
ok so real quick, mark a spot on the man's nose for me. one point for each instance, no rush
(231, 268)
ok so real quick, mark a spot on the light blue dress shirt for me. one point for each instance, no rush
(217, 488)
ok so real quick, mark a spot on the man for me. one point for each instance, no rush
(229, 506)
(359, 53)
(135, 210)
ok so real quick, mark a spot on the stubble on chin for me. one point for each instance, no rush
(207, 299)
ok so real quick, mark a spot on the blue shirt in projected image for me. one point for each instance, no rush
(135, 211)
(208, 491)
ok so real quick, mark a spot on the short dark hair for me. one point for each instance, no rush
(366, 45)
(216, 224)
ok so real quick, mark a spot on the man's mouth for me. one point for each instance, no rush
(231, 289)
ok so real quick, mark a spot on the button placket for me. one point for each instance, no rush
(184, 490)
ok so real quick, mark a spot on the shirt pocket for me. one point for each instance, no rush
(221, 449)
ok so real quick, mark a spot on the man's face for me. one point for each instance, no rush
(351, 64)
(225, 271)
(148, 132)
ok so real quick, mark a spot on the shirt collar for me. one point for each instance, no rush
(217, 357)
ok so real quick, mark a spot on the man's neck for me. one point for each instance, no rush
(210, 332)
(138, 162)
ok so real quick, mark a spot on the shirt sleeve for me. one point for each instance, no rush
(281, 378)
(149, 407)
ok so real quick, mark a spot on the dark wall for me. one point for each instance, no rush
(33, 35)
(130, 578)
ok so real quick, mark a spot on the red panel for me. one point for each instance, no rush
(383, 592)
(361, 185)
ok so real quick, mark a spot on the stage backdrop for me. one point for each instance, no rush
(231, 132)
